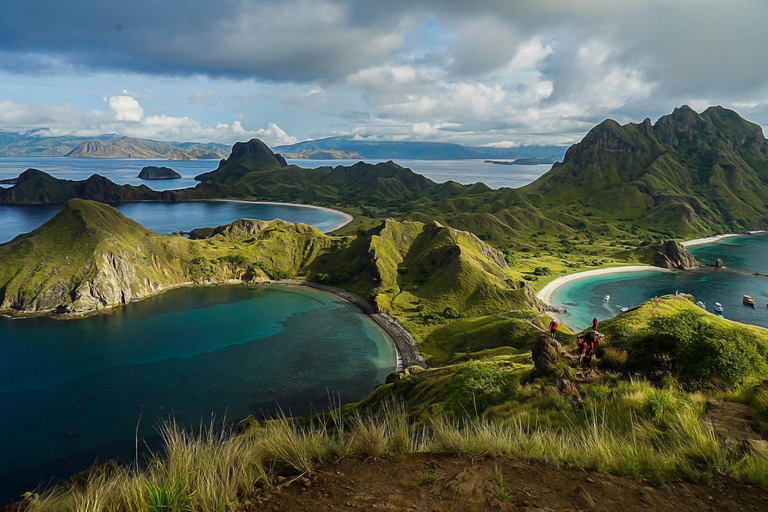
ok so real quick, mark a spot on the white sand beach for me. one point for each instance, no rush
(546, 293)
(710, 239)
(347, 217)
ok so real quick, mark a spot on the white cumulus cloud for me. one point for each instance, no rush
(126, 108)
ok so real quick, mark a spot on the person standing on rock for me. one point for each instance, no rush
(594, 323)
(553, 327)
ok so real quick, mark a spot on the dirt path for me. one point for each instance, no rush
(467, 484)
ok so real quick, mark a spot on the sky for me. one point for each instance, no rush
(483, 72)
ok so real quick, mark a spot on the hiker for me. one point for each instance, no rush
(553, 327)
(594, 323)
(587, 344)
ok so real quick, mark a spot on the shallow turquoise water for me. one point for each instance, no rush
(743, 256)
(73, 392)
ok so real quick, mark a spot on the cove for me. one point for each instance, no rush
(743, 256)
(73, 392)
(170, 217)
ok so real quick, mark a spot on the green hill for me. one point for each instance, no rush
(693, 173)
(90, 257)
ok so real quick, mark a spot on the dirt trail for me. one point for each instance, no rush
(467, 484)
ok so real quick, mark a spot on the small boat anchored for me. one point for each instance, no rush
(748, 301)
(701, 305)
(606, 298)
(719, 309)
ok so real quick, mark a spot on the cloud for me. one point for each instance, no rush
(126, 117)
(125, 108)
(488, 71)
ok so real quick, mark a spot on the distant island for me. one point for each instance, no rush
(106, 146)
(152, 172)
(350, 148)
(522, 161)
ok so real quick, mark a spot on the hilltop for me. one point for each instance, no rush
(693, 173)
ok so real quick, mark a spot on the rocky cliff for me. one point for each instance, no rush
(673, 255)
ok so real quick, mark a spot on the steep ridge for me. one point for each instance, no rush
(691, 172)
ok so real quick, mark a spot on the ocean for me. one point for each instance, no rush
(743, 257)
(74, 392)
(123, 171)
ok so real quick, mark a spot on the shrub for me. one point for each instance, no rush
(612, 359)
(479, 386)
(698, 352)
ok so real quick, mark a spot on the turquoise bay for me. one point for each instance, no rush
(743, 256)
(72, 393)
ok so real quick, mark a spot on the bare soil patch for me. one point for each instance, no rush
(427, 482)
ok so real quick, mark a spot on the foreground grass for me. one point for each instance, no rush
(210, 469)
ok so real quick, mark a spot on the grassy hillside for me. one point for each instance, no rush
(689, 172)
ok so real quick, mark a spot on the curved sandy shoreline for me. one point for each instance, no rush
(710, 239)
(546, 293)
(347, 217)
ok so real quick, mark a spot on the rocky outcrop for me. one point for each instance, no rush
(547, 354)
(673, 255)
(153, 172)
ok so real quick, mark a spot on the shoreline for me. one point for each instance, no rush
(406, 347)
(347, 217)
(546, 294)
(717, 238)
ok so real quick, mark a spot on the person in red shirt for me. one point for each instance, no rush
(594, 323)
(553, 327)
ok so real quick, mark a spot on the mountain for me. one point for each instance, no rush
(245, 157)
(346, 146)
(34, 186)
(694, 173)
(36, 144)
(128, 147)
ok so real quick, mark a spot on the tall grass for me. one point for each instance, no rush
(211, 469)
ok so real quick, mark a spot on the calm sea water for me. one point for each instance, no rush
(169, 217)
(123, 171)
(743, 256)
(73, 392)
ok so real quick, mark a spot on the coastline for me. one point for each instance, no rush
(347, 217)
(406, 346)
(546, 294)
(716, 238)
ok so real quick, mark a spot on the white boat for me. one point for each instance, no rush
(606, 298)
(701, 305)
(625, 308)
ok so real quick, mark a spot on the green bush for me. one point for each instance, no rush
(612, 359)
(479, 386)
(698, 352)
